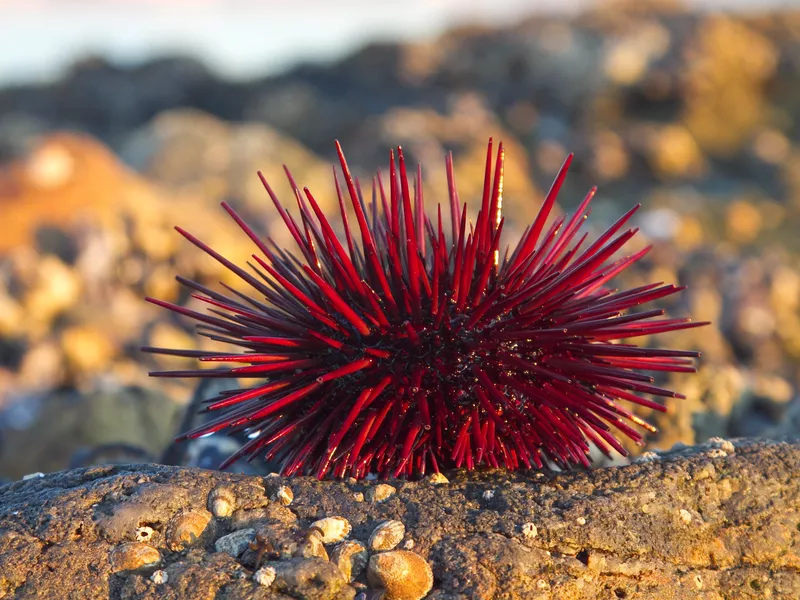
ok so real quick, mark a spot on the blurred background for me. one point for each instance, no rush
(120, 119)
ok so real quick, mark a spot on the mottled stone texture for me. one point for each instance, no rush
(702, 523)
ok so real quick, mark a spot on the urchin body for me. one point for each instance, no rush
(402, 350)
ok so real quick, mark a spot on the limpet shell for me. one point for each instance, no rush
(351, 557)
(381, 492)
(133, 556)
(402, 574)
(333, 529)
(386, 536)
(186, 528)
(221, 502)
(312, 546)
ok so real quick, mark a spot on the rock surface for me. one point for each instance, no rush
(712, 522)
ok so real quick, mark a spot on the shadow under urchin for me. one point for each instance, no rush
(402, 350)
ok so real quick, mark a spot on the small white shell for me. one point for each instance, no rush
(722, 444)
(529, 531)
(488, 495)
(159, 577)
(144, 534)
(408, 544)
(381, 492)
(265, 576)
(334, 529)
(685, 515)
(581, 521)
(646, 457)
(284, 495)
(358, 496)
(386, 536)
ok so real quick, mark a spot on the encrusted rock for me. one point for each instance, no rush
(186, 528)
(404, 575)
(351, 557)
(235, 543)
(134, 556)
(333, 529)
(476, 549)
(386, 536)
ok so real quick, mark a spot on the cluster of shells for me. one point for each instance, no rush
(385, 558)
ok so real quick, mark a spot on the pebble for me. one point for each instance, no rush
(408, 544)
(358, 496)
(265, 576)
(186, 528)
(686, 516)
(235, 543)
(402, 574)
(221, 502)
(351, 557)
(437, 479)
(580, 521)
(488, 495)
(334, 529)
(381, 492)
(529, 530)
(386, 536)
(133, 556)
(159, 577)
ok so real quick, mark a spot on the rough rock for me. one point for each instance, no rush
(714, 521)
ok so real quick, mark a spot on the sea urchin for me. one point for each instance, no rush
(405, 351)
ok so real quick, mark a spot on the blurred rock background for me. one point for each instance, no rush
(696, 115)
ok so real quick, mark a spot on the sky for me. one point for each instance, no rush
(237, 38)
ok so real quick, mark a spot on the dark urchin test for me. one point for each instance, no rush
(402, 350)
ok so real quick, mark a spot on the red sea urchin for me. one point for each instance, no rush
(406, 352)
